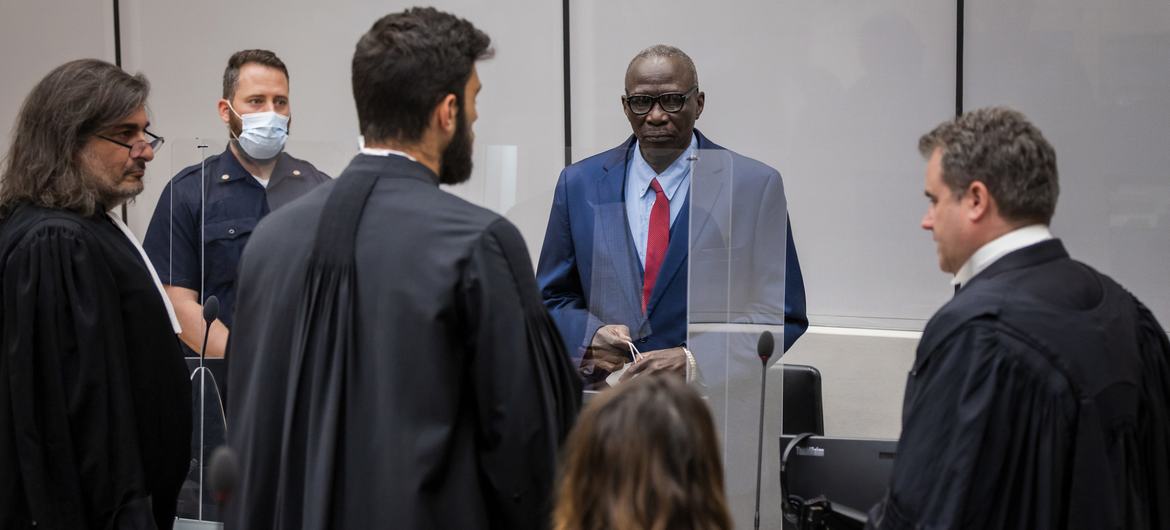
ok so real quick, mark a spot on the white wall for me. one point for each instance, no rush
(37, 36)
(1095, 77)
(863, 377)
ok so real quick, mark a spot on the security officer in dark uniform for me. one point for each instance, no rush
(197, 250)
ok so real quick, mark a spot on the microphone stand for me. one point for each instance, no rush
(210, 313)
(764, 349)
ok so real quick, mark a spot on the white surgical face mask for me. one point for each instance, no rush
(263, 134)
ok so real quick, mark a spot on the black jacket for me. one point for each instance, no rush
(1039, 399)
(95, 404)
(396, 369)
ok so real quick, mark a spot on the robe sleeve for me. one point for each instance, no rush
(64, 380)
(1151, 483)
(984, 421)
(518, 429)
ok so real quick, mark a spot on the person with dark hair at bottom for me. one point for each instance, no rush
(396, 368)
(644, 456)
(1040, 395)
(95, 405)
(197, 252)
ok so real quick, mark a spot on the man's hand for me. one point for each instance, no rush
(609, 350)
(671, 360)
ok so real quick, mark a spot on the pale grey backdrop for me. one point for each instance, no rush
(37, 36)
(1095, 77)
(833, 94)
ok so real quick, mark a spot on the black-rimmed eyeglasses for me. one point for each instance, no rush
(640, 104)
(139, 146)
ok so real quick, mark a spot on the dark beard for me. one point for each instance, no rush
(235, 126)
(455, 163)
(106, 201)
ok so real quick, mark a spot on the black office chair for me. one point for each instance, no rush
(802, 400)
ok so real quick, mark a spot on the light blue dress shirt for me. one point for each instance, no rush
(675, 182)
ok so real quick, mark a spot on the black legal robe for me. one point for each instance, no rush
(95, 403)
(1039, 399)
(391, 365)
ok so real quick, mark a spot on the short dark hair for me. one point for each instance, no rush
(999, 147)
(231, 74)
(406, 64)
(73, 102)
(668, 52)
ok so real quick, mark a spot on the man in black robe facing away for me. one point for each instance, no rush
(95, 405)
(397, 368)
(1040, 393)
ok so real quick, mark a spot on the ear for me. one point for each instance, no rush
(225, 113)
(978, 202)
(700, 100)
(446, 116)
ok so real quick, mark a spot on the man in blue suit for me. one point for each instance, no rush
(613, 267)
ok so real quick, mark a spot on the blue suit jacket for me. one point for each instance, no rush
(589, 273)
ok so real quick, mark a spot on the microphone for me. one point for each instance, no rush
(210, 313)
(223, 473)
(764, 348)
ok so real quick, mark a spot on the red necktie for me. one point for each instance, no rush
(657, 239)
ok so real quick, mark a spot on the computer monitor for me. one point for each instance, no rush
(853, 472)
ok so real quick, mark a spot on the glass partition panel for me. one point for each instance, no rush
(832, 95)
(173, 240)
(738, 226)
(213, 199)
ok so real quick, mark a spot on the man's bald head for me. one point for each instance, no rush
(689, 76)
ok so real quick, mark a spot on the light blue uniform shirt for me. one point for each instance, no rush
(675, 182)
